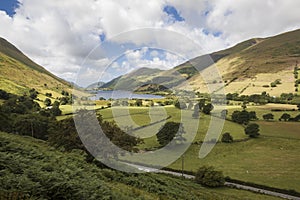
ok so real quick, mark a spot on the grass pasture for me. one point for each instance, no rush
(272, 159)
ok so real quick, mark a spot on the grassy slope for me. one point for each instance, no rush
(31, 166)
(133, 79)
(18, 73)
(259, 64)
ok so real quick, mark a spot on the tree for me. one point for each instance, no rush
(55, 111)
(252, 115)
(241, 117)
(201, 103)
(139, 102)
(64, 134)
(252, 130)
(207, 108)
(48, 94)
(244, 105)
(170, 131)
(34, 125)
(33, 93)
(208, 176)
(4, 95)
(285, 117)
(47, 102)
(268, 116)
(227, 138)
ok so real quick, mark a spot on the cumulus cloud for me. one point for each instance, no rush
(60, 35)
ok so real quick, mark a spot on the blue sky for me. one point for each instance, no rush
(9, 6)
(62, 40)
(173, 13)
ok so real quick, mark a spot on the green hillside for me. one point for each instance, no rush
(18, 73)
(30, 168)
(133, 79)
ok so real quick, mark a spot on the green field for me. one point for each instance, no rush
(272, 159)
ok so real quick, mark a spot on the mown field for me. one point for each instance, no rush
(272, 159)
(33, 170)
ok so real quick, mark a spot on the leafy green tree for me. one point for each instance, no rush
(285, 117)
(48, 94)
(208, 176)
(33, 93)
(252, 130)
(252, 115)
(33, 125)
(227, 138)
(241, 117)
(4, 95)
(244, 105)
(170, 131)
(64, 134)
(268, 116)
(5, 122)
(20, 105)
(55, 111)
(207, 108)
(47, 102)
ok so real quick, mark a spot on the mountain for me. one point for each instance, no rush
(251, 66)
(133, 79)
(246, 68)
(95, 86)
(18, 73)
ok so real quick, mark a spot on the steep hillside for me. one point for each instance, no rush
(18, 73)
(38, 171)
(252, 66)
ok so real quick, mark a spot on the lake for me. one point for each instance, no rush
(120, 94)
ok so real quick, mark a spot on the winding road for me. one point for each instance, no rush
(228, 184)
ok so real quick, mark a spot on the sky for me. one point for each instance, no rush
(97, 40)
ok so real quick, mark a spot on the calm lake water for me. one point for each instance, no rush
(119, 94)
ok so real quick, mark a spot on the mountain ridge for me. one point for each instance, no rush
(249, 61)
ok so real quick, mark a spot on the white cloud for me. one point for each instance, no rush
(59, 35)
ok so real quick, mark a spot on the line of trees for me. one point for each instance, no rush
(264, 98)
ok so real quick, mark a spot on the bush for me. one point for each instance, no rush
(252, 130)
(208, 176)
(47, 102)
(227, 138)
(273, 84)
(268, 116)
